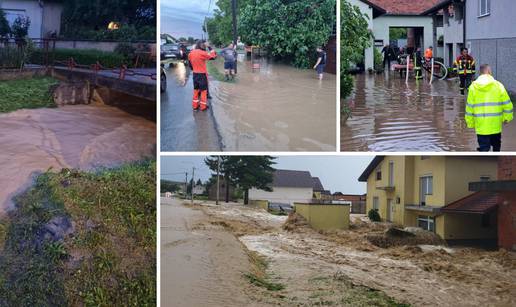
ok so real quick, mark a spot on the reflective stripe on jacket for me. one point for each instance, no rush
(465, 65)
(488, 106)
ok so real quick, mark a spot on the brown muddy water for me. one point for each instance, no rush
(199, 266)
(81, 136)
(275, 108)
(389, 115)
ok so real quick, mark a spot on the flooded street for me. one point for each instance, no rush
(389, 115)
(200, 266)
(183, 129)
(275, 108)
(80, 136)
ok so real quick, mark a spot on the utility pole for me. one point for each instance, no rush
(186, 184)
(233, 11)
(218, 180)
(193, 172)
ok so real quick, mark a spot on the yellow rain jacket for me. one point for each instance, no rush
(488, 106)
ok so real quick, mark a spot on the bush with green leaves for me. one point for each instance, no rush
(20, 27)
(82, 56)
(5, 29)
(355, 39)
(374, 215)
(288, 30)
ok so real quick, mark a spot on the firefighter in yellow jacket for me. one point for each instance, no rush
(487, 108)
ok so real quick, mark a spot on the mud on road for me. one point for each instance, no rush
(343, 268)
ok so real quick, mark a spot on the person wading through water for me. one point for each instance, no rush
(321, 62)
(464, 65)
(487, 108)
(197, 59)
(229, 55)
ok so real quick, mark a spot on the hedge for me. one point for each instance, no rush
(82, 57)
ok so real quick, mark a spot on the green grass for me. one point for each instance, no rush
(214, 72)
(26, 94)
(108, 260)
(258, 275)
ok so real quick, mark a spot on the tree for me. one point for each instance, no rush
(252, 172)
(168, 186)
(355, 39)
(20, 28)
(245, 171)
(5, 30)
(289, 30)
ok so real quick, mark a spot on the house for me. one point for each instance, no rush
(199, 189)
(223, 188)
(502, 193)
(319, 191)
(413, 190)
(45, 16)
(491, 37)
(288, 187)
(357, 202)
(449, 14)
(385, 15)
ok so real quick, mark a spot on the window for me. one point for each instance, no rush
(391, 173)
(484, 7)
(426, 222)
(485, 178)
(376, 203)
(378, 174)
(426, 187)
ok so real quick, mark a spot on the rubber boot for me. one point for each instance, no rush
(204, 100)
(195, 100)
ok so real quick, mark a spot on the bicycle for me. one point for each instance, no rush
(440, 70)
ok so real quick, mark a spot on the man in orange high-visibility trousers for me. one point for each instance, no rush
(197, 59)
(487, 108)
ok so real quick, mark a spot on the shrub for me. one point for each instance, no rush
(374, 215)
(83, 57)
(20, 27)
(5, 30)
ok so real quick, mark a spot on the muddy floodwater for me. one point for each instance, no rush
(81, 136)
(389, 115)
(199, 266)
(276, 107)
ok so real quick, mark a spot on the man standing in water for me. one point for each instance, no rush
(229, 55)
(464, 65)
(321, 62)
(488, 107)
(197, 59)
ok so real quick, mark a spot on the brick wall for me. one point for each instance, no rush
(507, 207)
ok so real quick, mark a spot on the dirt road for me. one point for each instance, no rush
(200, 266)
(79, 136)
(344, 269)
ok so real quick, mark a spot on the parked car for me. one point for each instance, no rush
(174, 52)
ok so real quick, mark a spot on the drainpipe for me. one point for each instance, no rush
(464, 23)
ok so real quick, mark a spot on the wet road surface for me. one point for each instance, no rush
(388, 115)
(275, 108)
(81, 136)
(199, 266)
(183, 129)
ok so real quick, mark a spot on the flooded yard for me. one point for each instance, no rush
(389, 115)
(81, 136)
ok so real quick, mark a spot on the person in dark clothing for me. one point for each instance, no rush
(321, 62)
(387, 55)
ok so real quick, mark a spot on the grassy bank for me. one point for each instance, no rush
(26, 94)
(81, 238)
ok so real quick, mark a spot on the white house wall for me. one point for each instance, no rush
(382, 24)
(283, 195)
(28, 8)
(368, 11)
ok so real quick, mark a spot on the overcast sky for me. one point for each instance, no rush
(337, 173)
(183, 18)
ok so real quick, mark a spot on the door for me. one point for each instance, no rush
(390, 210)
(425, 188)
